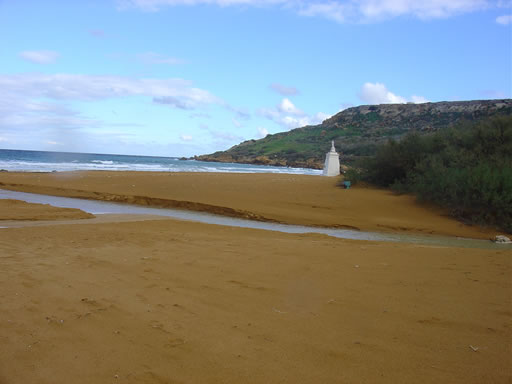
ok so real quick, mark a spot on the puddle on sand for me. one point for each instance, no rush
(103, 207)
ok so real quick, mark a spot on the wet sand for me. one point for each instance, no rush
(291, 199)
(15, 210)
(170, 301)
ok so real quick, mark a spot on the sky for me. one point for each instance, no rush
(190, 77)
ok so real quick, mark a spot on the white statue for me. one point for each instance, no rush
(332, 162)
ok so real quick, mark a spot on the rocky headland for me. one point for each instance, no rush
(357, 132)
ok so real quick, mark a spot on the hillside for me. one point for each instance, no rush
(357, 132)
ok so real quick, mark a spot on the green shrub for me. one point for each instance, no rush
(353, 175)
(467, 169)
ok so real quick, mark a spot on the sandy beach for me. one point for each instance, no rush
(291, 199)
(167, 301)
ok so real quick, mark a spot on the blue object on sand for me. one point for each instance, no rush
(346, 184)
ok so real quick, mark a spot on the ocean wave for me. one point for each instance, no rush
(170, 165)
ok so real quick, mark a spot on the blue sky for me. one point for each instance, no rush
(186, 77)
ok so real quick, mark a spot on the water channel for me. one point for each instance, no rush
(102, 207)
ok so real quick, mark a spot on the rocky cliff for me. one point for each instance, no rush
(357, 132)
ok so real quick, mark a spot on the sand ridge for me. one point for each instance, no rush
(291, 199)
(20, 210)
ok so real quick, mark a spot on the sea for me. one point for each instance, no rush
(42, 161)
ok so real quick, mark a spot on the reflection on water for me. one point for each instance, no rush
(102, 207)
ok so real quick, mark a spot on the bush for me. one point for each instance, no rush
(467, 169)
(353, 175)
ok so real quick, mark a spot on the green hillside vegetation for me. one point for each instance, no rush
(302, 144)
(466, 169)
(357, 132)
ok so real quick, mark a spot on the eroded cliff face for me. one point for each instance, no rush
(357, 132)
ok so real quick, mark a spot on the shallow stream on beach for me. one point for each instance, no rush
(102, 207)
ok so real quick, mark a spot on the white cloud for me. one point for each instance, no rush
(39, 105)
(262, 132)
(320, 116)
(185, 137)
(332, 10)
(40, 57)
(289, 116)
(377, 93)
(293, 122)
(418, 99)
(286, 106)
(156, 58)
(504, 20)
(339, 10)
(431, 9)
(18, 111)
(44, 124)
(176, 92)
(176, 102)
(376, 10)
(284, 90)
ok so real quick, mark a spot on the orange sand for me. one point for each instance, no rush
(295, 199)
(166, 301)
(178, 302)
(20, 210)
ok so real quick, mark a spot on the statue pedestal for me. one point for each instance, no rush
(332, 162)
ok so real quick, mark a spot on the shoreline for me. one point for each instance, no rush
(47, 161)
